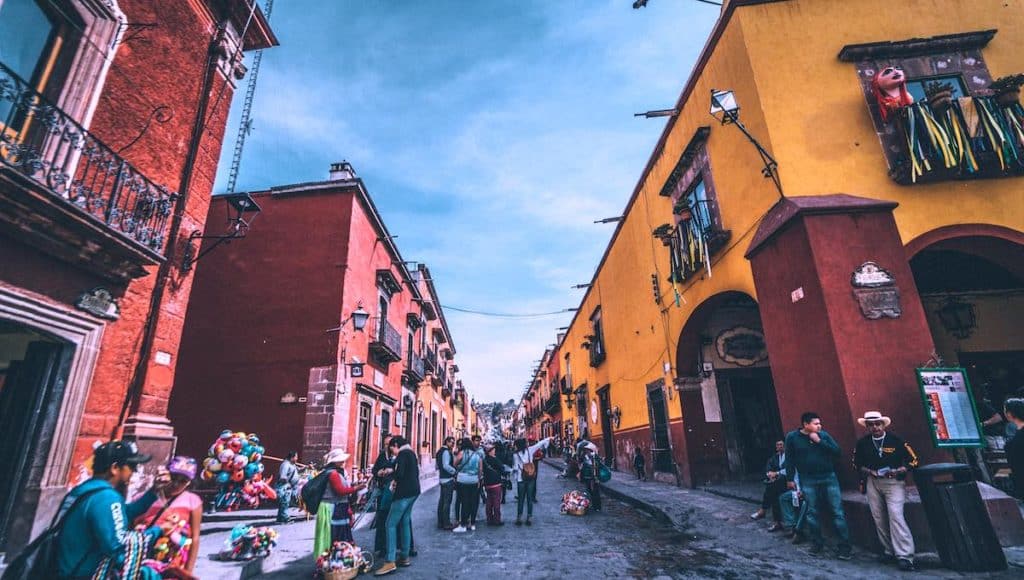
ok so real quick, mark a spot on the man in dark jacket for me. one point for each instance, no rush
(812, 452)
(96, 528)
(1014, 409)
(406, 486)
(774, 486)
(446, 479)
(382, 469)
(883, 460)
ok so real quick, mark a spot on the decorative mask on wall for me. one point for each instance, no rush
(890, 89)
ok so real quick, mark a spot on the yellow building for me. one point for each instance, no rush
(722, 310)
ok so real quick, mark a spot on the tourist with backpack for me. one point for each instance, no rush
(330, 491)
(90, 532)
(467, 479)
(446, 479)
(524, 473)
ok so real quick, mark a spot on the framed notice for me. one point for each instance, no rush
(949, 408)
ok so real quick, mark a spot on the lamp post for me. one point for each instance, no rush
(726, 110)
(958, 317)
(245, 208)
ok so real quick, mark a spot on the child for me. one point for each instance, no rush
(638, 464)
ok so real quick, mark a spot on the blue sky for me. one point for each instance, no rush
(490, 135)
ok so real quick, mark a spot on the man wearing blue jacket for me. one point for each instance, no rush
(96, 528)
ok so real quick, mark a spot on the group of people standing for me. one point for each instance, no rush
(801, 476)
(472, 470)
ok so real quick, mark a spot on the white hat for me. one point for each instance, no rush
(336, 456)
(874, 416)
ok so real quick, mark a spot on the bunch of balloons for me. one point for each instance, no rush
(233, 457)
(235, 462)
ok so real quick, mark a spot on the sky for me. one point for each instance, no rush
(490, 134)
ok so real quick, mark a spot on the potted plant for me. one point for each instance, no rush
(939, 95)
(1007, 89)
(683, 210)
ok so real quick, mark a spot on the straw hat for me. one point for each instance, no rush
(874, 416)
(336, 456)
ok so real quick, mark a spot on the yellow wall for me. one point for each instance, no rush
(807, 107)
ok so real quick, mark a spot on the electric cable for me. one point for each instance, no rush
(505, 314)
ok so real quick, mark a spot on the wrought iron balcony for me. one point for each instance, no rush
(385, 341)
(79, 190)
(553, 404)
(414, 368)
(430, 361)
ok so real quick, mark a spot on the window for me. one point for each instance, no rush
(916, 87)
(597, 352)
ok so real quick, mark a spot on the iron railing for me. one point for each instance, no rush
(431, 360)
(43, 143)
(385, 339)
(415, 366)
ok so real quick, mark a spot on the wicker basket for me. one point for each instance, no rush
(341, 574)
(577, 512)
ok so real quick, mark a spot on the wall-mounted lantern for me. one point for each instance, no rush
(958, 317)
(245, 209)
(355, 368)
(726, 110)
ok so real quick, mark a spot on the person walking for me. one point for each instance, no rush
(524, 473)
(774, 486)
(639, 464)
(588, 473)
(287, 483)
(95, 528)
(812, 452)
(446, 479)
(883, 460)
(467, 478)
(406, 487)
(494, 471)
(334, 516)
(178, 513)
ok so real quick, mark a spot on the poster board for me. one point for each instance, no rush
(949, 407)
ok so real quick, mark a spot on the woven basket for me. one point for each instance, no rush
(577, 512)
(341, 574)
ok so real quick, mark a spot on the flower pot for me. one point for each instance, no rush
(1008, 97)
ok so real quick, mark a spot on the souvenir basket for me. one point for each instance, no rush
(343, 561)
(575, 503)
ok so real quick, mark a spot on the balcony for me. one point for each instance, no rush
(597, 355)
(68, 194)
(414, 368)
(430, 361)
(553, 404)
(385, 341)
(966, 138)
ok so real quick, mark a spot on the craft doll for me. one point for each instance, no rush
(890, 89)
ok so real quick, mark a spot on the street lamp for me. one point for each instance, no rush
(245, 208)
(958, 318)
(359, 317)
(726, 110)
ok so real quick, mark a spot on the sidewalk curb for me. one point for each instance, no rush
(655, 511)
(729, 495)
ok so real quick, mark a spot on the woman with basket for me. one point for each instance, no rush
(334, 515)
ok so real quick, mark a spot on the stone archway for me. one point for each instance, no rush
(728, 400)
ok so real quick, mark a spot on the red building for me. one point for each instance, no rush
(110, 137)
(272, 346)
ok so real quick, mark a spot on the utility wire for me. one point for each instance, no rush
(505, 314)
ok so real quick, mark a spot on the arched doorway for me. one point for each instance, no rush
(730, 408)
(34, 369)
(971, 283)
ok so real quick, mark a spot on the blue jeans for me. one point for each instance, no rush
(400, 517)
(525, 490)
(824, 489)
(792, 517)
(284, 501)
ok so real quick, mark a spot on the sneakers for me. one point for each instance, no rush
(385, 569)
(775, 527)
(404, 562)
(528, 522)
(845, 553)
(472, 527)
(758, 515)
(906, 565)
(459, 530)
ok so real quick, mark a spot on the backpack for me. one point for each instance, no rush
(313, 491)
(39, 560)
(529, 469)
(603, 473)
